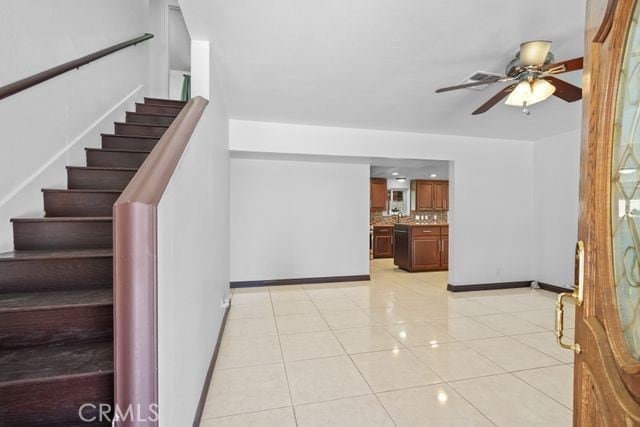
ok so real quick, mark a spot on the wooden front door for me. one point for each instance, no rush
(607, 335)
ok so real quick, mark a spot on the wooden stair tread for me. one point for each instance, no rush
(49, 362)
(140, 124)
(80, 190)
(101, 168)
(113, 135)
(25, 301)
(151, 114)
(119, 150)
(149, 100)
(55, 254)
(64, 219)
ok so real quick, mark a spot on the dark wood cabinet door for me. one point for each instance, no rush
(378, 194)
(441, 195)
(444, 254)
(426, 252)
(424, 195)
(383, 246)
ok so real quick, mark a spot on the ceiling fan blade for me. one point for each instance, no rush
(564, 66)
(487, 81)
(564, 90)
(495, 99)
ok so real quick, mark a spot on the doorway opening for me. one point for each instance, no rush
(410, 213)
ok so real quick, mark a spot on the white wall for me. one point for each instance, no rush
(556, 167)
(193, 245)
(48, 126)
(491, 236)
(298, 219)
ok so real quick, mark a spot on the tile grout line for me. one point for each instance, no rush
(284, 363)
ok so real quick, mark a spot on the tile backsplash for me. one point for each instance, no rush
(376, 218)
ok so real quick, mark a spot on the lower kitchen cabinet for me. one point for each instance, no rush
(383, 241)
(421, 247)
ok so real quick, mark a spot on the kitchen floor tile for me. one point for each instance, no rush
(554, 381)
(250, 327)
(464, 328)
(510, 354)
(319, 380)
(418, 333)
(508, 324)
(239, 390)
(297, 323)
(362, 411)
(281, 417)
(393, 369)
(249, 351)
(286, 308)
(455, 361)
(546, 343)
(362, 340)
(348, 319)
(310, 345)
(250, 311)
(328, 305)
(508, 401)
(434, 405)
(399, 349)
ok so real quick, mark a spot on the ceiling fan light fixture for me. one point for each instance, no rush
(529, 93)
(520, 95)
(541, 90)
(534, 52)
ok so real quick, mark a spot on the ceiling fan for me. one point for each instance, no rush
(532, 73)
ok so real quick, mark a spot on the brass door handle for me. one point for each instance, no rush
(577, 295)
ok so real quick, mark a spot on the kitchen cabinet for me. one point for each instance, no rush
(441, 195)
(421, 247)
(383, 241)
(429, 195)
(378, 194)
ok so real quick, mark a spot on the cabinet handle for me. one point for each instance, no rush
(426, 231)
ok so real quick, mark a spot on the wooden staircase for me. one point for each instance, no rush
(56, 296)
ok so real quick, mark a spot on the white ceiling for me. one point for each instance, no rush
(376, 63)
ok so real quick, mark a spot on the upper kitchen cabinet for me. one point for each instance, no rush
(441, 195)
(429, 195)
(378, 194)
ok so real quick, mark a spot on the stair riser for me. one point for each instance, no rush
(54, 401)
(98, 179)
(149, 119)
(139, 130)
(128, 143)
(110, 159)
(157, 109)
(55, 274)
(168, 102)
(58, 204)
(55, 326)
(62, 235)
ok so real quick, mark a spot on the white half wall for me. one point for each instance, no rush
(47, 127)
(491, 233)
(298, 219)
(556, 167)
(193, 271)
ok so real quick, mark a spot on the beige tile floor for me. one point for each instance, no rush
(399, 350)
